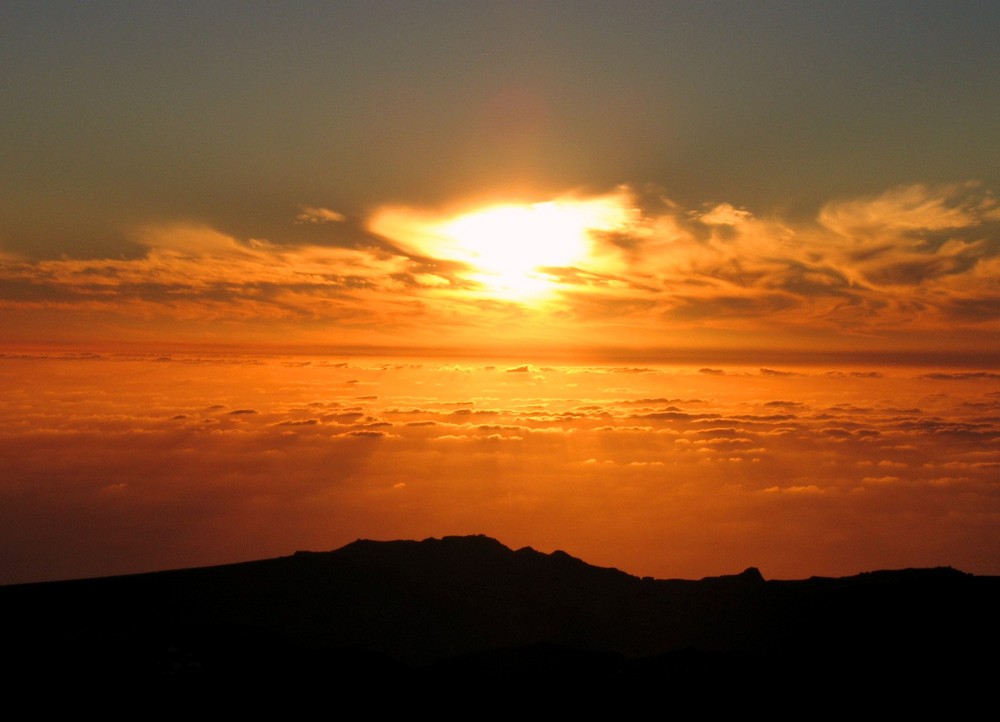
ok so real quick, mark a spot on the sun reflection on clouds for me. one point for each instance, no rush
(619, 269)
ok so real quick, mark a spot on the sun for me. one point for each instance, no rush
(511, 251)
(511, 246)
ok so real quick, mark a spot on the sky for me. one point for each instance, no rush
(773, 208)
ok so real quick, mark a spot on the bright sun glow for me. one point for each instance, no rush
(513, 249)
(512, 245)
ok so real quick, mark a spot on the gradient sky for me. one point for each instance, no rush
(808, 188)
(224, 172)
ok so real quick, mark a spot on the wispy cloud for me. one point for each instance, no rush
(910, 260)
(312, 214)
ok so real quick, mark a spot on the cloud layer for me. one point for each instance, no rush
(124, 463)
(900, 264)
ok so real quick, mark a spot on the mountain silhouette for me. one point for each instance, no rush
(473, 612)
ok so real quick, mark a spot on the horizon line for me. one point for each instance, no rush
(661, 355)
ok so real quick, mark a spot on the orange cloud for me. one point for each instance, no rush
(587, 457)
(311, 214)
(911, 260)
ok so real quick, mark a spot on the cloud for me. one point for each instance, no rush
(186, 240)
(313, 466)
(905, 263)
(723, 308)
(912, 208)
(199, 275)
(807, 489)
(725, 214)
(775, 372)
(314, 215)
(961, 375)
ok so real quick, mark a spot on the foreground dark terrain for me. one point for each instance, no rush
(469, 613)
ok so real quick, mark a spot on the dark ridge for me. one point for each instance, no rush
(468, 610)
(750, 575)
